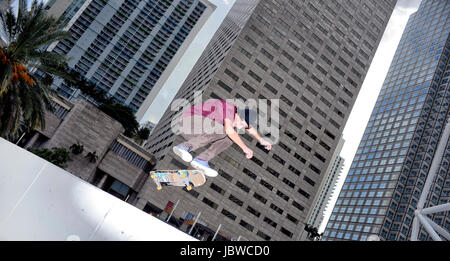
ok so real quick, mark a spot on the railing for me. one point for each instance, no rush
(60, 107)
(133, 153)
(420, 218)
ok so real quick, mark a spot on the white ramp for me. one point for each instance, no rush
(39, 201)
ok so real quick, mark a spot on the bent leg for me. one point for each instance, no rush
(216, 148)
(198, 132)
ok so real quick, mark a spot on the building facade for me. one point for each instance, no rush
(326, 190)
(390, 167)
(312, 56)
(125, 47)
(121, 166)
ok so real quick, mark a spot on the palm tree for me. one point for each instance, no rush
(92, 157)
(76, 148)
(23, 96)
(141, 135)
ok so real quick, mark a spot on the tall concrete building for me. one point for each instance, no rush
(386, 178)
(127, 46)
(312, 56)
(327, 188)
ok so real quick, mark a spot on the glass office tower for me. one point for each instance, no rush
(387, 175)
(126, 46)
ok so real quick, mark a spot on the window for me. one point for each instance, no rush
(277, 158)
(250, 41)
(246, 225)
(210, 203)
(303, 193)
(266, 185)
(292, 219)
(238, 63)
(267, 54)
(232, 75)
(249, 173)
(260, 198)
(282, 195)
(261, 65)
(225, 175)
(294, 170)
(253, 211)
(263, 236)
(282, 66)
(228, 214)
(255, 76)
(236, 200)
(224, 86)
(309, 181)
(276, 208)
(288, 182)
(270, 222)
(298, 206)
(217, 189)
(286, 232)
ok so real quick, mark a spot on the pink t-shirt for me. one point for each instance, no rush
(217, 110)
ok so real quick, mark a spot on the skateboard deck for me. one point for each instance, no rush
(179, 178)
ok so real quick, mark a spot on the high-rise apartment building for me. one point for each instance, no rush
(386, 178)
(327, 188)
(313, 57)
(125, 47)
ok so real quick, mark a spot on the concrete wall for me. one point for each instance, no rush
(92, 128)
(51, 124)
(122, 170)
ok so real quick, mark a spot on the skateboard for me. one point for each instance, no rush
(179, 178)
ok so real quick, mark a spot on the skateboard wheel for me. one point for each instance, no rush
(153, 176)
(159, 188)
(189, 188)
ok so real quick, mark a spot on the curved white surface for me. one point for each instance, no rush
(39, 201)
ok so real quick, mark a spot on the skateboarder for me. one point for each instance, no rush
(214, 122)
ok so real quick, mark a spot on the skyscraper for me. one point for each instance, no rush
(126, 46)
(313, 57)
(327, 187)
(388, 172)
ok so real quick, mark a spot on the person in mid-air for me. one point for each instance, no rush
(214, 122)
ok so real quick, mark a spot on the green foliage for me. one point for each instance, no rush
(313, 232)
(108, 105)
(24, 97)
(141, 135)
(122, 114)
(77, 148)
(57, 156)
(87, 88)
(92, 157)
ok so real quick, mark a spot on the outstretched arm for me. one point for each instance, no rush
(234, 136)
(263, 142)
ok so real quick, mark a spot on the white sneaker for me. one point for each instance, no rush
(204, 166)
(183, 153)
